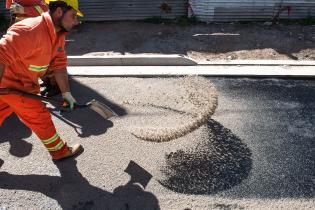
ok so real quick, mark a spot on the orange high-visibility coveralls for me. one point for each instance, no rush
(32, 8)
(30, 48)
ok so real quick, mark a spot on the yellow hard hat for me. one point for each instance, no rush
(72, 3)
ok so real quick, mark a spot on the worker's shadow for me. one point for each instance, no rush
(15, 132)
(85, 94)
(85, 121)
(72, 191)
(132, 194)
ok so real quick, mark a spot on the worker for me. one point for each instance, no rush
(28, 50)
(21, 9)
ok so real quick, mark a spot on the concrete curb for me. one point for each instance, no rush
(259, 63)
(172, 60)
(131, 60)
(177, 65)
(215, 70)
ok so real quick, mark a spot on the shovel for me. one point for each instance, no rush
(94, 105)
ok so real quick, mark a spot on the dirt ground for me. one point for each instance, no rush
(200, 41)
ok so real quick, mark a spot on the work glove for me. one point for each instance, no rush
(70, 101)
(17, 9)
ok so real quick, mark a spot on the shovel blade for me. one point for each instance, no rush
(102, 109)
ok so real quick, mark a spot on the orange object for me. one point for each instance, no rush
(32, 8)
(8, 3)
(28, 50)
(34, 115)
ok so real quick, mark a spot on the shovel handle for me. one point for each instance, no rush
(5, 91)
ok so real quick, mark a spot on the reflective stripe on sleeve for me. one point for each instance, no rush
(38, 9)
(38, 68)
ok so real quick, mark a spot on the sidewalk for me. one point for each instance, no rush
(201, 42)
(225, 49)
(172, 65)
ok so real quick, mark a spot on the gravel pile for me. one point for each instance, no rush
(168, 115)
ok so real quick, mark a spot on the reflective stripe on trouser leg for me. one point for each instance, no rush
(55, 146)
(35, 115)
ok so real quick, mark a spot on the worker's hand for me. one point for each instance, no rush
(17, 9)
(69, 99)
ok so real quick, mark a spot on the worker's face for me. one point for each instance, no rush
(69, 19)
(66, 20)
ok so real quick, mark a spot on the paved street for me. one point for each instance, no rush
(256, 152)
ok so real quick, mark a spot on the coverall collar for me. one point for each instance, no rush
(51, 28)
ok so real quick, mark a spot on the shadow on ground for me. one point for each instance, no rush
(14, 132)
(84, 94)
(72, 191)
(86, 122)
(215, 165)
